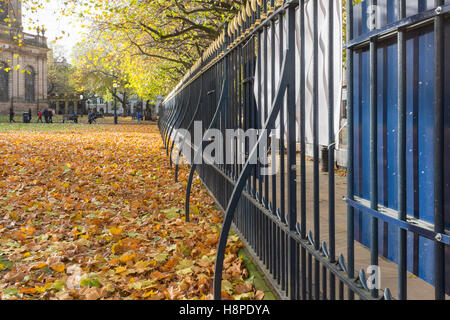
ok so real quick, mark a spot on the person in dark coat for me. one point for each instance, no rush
(11, 115)
(91, 117)
(29, 115)
(50, 116)
(46, 115)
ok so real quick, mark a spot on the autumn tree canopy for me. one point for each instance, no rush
(145, 47)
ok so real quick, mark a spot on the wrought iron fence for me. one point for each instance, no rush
(273, 69)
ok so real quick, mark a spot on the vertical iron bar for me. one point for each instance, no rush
(373, 147)
(282, 163)
(332, 143)
(292, 154)
(402, 262)
(439, 218)
(265, 194)
(303, 144)
(316, 148)
(350, 156)
(282, 129)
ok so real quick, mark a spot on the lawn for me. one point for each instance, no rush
(57, 124)
(93, 212)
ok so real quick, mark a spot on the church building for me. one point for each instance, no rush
(23, 63)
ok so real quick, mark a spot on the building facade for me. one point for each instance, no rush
(23, 63)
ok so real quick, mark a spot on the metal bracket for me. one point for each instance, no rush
(417, 227)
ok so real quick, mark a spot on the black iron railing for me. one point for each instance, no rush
(229, 89)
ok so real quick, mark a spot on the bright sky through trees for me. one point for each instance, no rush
(67, 29)
(142, 47)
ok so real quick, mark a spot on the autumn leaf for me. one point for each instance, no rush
(124, 243)
(115, 231)
(58, 267)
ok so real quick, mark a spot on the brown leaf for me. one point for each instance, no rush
(14, 276)
(259, 295)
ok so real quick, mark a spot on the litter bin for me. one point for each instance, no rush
(26, 118)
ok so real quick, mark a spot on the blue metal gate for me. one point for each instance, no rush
(418, 120)
(398, 108)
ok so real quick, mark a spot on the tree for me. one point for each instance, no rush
(151, 44)
(60, 76)
(100, 70)
(172, 31)
(157, 41)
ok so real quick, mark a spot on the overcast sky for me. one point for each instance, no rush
(57, 26)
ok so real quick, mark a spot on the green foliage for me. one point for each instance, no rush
(60, 76)
(145, 47)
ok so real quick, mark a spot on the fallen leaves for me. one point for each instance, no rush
(94, 214)
(58, 267)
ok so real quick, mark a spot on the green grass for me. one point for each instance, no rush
(258, 278)
(43, 127)
(57, 124)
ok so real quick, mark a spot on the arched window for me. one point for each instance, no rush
(29, 84)
(4, 82)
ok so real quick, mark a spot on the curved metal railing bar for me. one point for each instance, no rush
(200, 99)
(175, 122)
(178, 125)
(199, 152)
(242, 181)
(168, 120)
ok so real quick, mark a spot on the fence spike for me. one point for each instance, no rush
(341, 261)
(243, 14)
(325, 250)
(248, 9)
(311, 238)
(298, 229)
(363, 279)
(279, 214)
(387, 295)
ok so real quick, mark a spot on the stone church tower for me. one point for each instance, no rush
(23, 63)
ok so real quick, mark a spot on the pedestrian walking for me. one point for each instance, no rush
(30, 116)
(11, 115)
(39, 117)
(50, 116)
(139, 119)
(92, 117)
(46, 115)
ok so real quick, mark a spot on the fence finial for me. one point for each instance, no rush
(248, 9)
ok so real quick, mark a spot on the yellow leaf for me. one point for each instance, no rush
(150, 293)
(115, 231)
(40, 289)
(120, 270)
(58, 267)
(40, 266)
(127, 257)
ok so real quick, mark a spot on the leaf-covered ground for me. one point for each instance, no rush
(94, 213)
